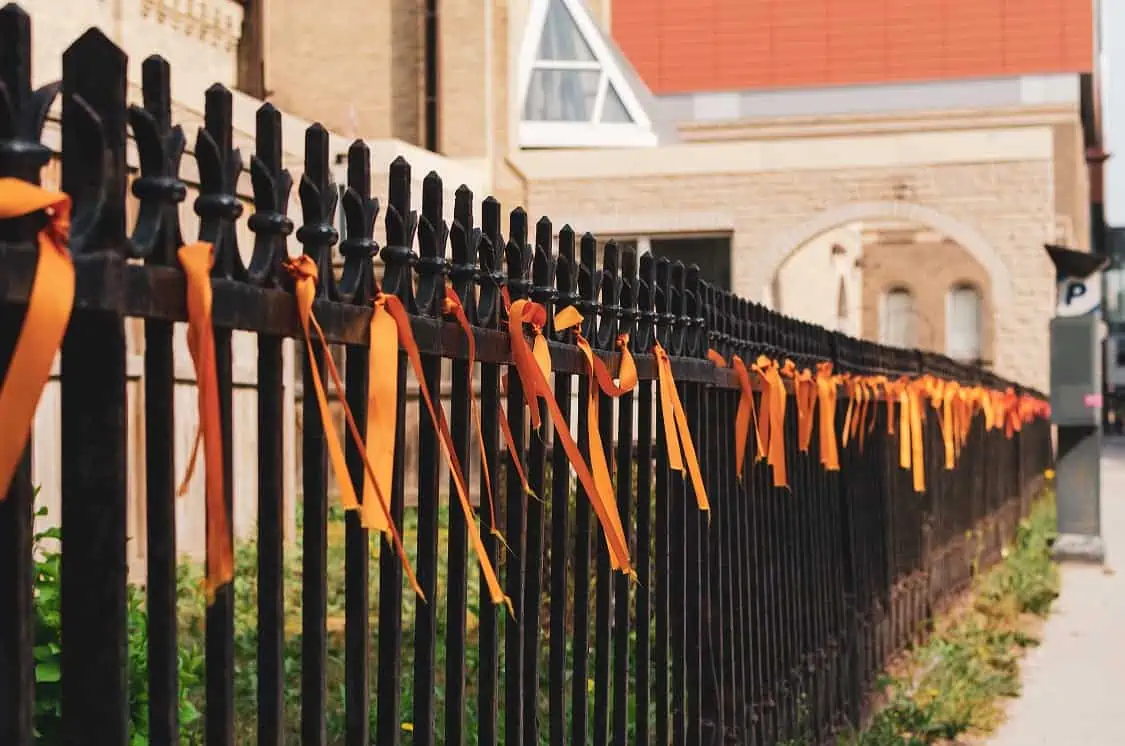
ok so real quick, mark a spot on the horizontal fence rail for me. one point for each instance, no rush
(765, 617)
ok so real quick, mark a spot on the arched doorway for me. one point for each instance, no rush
(896, 281)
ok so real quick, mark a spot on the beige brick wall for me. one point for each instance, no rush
(929, 270)
(198, 37)
(353, 65)
(1008, 206)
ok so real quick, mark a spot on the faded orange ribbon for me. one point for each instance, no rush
(600, 379)
(771, 425)
(677, 435)
(716, 358)
(197, 260)
(304, 272)
(535, 387)
(390, 328)
(49, 306)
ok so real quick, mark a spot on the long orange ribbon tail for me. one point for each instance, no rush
(535, 386)
(48, 313)
(197, 260)
(681, 449)
(304, 272)
(826, 398)
(452, 306)
(746, 416)
(391, 306)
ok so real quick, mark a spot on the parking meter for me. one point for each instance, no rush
(1076, 402)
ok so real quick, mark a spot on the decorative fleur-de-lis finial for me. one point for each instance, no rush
(319, 195)
(23, 112)
(432, 236)
(358, 247)
(664, 315)
(272, 184)
(609, 286)
(93, 139)
(491, 277)
(646, 304)
(677, 305)
(401, 224)
(543, 267)
(160, 147)
(628, 315)
(464, 239)
(517, 255)
(217, 206)
(588, 284)
(695, 334)
(566, 277)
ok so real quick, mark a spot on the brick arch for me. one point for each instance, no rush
(969, 238)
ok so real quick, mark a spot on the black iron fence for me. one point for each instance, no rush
(764, 620)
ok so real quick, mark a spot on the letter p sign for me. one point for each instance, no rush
(1078, 297)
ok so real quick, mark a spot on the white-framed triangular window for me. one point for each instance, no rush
(573, 89)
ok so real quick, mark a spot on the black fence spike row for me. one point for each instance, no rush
(764, 616)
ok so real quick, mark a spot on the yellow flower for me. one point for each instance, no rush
(1049, 474)
(408, 727)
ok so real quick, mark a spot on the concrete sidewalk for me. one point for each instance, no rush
(1074, 682)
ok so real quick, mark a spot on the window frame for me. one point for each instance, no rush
(593, 132)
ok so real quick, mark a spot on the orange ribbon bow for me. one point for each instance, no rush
(746, 416)
(376, 511)
(48, 312)
(600, 379)
(535, 387)
(805, 394)
(771, 425)
(826, 399)
(390, 332)
(197, 260)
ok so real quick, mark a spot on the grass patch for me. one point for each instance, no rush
(954, 684)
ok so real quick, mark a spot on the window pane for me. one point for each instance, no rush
(614, 108)
(561, 38)
(561, 95)
(711, 253)
(963, 324)
(899, 323)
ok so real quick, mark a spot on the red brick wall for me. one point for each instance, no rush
(681, 46)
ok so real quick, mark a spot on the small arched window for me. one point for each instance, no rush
(898, 322)
(963, 317)
(842, 306)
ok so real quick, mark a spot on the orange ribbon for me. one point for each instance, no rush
(716, 358)
(771, 426)
(535, 386)
(677, 435)
(390, 330)
(304, 272)
(600, 379)
(48, 312)
(746, 416)
(197, 260)
(452, 306)
(805, 394)
(826, 398)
